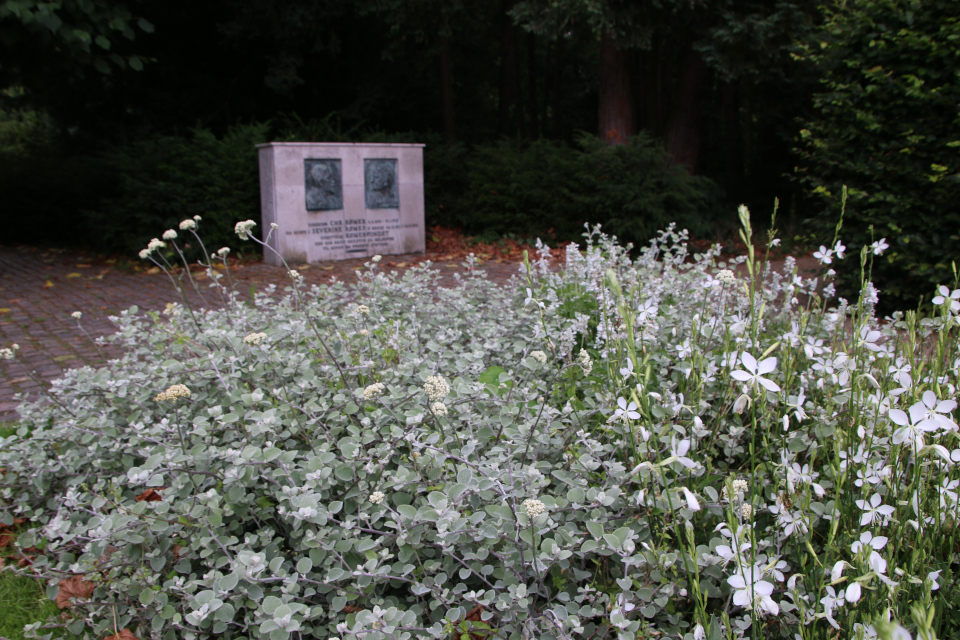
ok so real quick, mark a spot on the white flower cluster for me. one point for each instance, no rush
(583, 359)
(293, 273)
(438, 409)
(244, 228)
(188, 224)
(539, 356)
(173, 392)
(223, 251)
(7, 354)
(254, 338)
(436, 387)
(152, 246)
(377, 497)
(740, 487)
(726, 276)
(361, 310)
(373, 391)
(169, 234)
(76, 314)
(533, 507)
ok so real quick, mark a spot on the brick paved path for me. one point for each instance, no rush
(41, 288)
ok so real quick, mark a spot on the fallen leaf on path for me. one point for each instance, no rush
(84, 266)
(125, 634)
(73, 587)
(152, 270)
(48, 284)
(74, 275)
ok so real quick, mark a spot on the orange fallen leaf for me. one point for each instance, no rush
(74, 275)
(152, 270)
(4, 310)
(151, 495)
(73, 587)
(48, 284)
(83, 266)
(125, 634)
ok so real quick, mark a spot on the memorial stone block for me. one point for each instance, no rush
(333, 201)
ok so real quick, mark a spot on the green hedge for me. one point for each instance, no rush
(116, 200)
(553, 188)
(169, 178)
(887, 126)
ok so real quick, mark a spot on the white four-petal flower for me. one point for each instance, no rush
(755, 371)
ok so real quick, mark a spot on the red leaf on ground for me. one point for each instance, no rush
(125, 634)
(73, 587)
(151, 495)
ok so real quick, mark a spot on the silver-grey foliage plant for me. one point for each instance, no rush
(650, 447)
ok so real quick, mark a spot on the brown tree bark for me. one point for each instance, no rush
(616, 98)
(505, 93)
(556, 56)
(446, 85)
(730, 119)
(683, 130)
(532, 94)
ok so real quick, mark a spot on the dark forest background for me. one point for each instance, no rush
(120, 119)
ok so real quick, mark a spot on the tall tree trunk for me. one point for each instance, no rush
(683, 131)
(732, 147)
(650, 92)
(616, 98)
(532, 94)
(519, 112)
(555, 119)
(446, 84)
(505, 93)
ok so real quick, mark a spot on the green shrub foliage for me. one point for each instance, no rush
(888, 127)
(649, 447)
(164, 179)
(43, 192)
(550, 188)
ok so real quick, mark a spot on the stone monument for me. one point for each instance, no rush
(333, 201)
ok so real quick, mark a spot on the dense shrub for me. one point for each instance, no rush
(166, 178)
(547, 185)
(887, 126)
(627, 448)
(44, 191)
